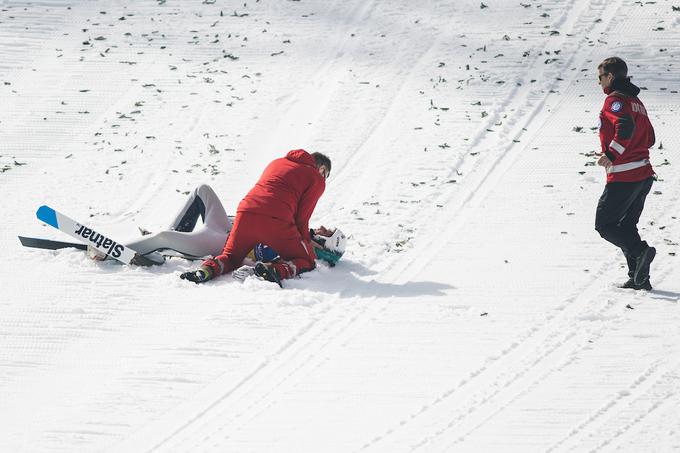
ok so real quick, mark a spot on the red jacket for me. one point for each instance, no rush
(288, 189)
(626, 134)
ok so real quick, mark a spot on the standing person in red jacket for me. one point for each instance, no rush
(276, 211)
(626, 134)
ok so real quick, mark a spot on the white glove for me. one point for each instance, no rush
(243, 272)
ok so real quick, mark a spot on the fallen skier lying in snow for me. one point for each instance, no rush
(274, 215)
(276, 211)
(184, 238)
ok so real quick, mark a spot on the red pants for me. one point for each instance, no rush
(283, 237)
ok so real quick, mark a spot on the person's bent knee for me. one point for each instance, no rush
(204, 189)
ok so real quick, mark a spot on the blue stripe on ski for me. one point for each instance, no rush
(47, 215)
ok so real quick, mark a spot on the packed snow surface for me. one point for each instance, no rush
(476, 308)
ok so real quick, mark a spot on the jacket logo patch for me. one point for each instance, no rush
(617, 106)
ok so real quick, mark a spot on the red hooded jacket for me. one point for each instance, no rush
(626, 134)
(288, 189)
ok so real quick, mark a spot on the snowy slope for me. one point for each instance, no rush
(476, 308)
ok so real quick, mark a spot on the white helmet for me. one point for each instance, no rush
(337, 242)
(332, 247)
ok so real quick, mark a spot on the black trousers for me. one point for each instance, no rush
(618, 213)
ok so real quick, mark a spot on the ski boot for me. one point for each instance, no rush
(267, 272)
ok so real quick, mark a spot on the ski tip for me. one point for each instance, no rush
(47, 215)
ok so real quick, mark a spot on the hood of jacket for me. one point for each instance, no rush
(624, 86)
(301, 156)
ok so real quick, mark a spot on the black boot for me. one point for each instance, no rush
(630, 284)
(643, 263)
(632, 264)
(267, 272)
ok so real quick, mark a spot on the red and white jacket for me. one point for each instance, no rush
(626, 134)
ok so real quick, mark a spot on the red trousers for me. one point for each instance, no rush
(249, 229)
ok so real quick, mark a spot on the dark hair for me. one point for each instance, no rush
(615, 66)
(322, 159)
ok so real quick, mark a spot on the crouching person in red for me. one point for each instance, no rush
(276, 211)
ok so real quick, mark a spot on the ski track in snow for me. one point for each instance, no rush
(455, 173)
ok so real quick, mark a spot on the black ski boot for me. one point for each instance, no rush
(643, 263)
(630, 284)
(268, 273)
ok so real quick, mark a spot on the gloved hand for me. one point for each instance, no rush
(201, 275)
(243, 272)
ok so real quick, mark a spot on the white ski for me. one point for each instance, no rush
(86, 234)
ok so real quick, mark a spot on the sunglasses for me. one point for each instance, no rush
(599, 77)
